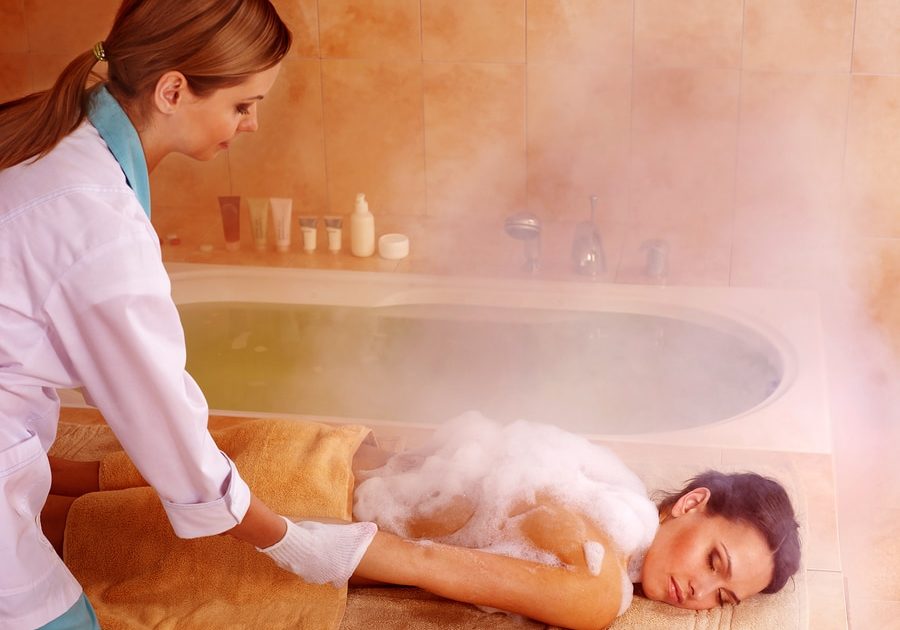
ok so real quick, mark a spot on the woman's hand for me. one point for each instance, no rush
(322, 552)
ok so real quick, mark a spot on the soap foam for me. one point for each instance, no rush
(497, 466)
(593, 556)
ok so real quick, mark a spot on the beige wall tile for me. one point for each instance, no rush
(882, 277)
(194, 223)
(876, 47)
(826, 601)
(14, 81)
(473, 30)
(374, 138)
(189, 187)
(580, 31)
(67, 28)
(13, 37)
(579, 120)
(872, 164)
(688, 33)
(286, 156)
(684, 128)
(872, 553)
(475, 247)
(302, 17)
(474, 139)
(790, 155)
(800, 35)
(43, 70)
(684, 136)
(370, 29)
(867, 612)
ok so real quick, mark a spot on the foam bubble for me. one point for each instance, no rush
(495, 467)
(593, 555)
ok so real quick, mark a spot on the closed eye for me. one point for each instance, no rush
(711, 561)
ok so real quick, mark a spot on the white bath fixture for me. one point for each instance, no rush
(739, 368)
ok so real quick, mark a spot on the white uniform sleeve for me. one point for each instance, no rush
(113, 319)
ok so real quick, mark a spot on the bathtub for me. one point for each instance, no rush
(721, 367)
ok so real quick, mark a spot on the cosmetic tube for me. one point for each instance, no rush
(281, 218)
(333, 229)
(259, 221)
(308, 227)
(230, 207)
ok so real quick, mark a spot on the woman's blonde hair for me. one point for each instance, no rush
(215, 43)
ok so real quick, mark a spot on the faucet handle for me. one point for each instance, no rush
(657, 264)
(525, 226)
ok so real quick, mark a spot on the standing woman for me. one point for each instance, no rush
(85, 300)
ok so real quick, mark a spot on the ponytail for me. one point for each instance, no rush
(214, 43)
(32, 125)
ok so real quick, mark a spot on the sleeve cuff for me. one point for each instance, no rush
(193, 520)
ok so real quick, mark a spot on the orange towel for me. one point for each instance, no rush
(137, 574)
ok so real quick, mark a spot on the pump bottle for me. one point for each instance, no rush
(362, 228)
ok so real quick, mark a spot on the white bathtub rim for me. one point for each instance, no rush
(753, 309)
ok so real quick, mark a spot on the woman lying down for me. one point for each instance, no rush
(529, 519)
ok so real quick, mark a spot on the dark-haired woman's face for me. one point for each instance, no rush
(699, 561)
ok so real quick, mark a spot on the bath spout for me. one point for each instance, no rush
(526, 227)
(587, 246)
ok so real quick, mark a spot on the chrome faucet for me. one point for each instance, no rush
(526, 227)
(657, 264)
(587, 247)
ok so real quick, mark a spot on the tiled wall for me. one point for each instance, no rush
(758, 138)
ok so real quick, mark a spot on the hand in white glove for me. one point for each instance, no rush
(322, 552)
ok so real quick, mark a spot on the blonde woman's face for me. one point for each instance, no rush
(699, 561)
(209, 125)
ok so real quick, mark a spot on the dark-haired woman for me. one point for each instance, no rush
(720, 539)
(85, 299)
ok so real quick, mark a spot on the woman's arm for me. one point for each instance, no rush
(566, 596)
(261, 527)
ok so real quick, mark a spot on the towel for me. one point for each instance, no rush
(138, 574)
(399, 608)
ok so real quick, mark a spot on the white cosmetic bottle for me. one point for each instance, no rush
(362, 228)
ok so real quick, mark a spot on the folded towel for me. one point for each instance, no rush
(401, 608)
(137, 574)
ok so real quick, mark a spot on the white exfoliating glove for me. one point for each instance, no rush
(322, 552)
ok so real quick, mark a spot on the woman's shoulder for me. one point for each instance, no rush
(81, 164)
(56, 212)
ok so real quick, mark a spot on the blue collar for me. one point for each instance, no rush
(123, 141)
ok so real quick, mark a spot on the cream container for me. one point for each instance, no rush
(308, 229)
(259, 221)
(393, 246)
(281, 219)
(333, 227)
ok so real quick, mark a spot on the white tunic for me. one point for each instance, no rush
(85, 302)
